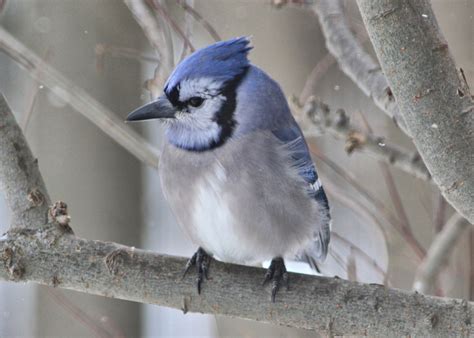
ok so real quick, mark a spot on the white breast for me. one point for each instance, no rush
(215, 224)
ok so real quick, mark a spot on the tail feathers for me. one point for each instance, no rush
(317, 252)
(313, 264)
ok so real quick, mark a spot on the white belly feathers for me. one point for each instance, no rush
(214, 222)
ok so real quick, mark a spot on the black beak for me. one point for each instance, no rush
(161, 108)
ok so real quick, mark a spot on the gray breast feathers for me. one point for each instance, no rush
(243, 202)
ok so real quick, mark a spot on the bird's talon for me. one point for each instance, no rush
(201, 259)
(277, 273)
(189, 264)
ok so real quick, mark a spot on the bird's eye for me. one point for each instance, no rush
(195, 101)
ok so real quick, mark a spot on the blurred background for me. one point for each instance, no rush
(99, 46)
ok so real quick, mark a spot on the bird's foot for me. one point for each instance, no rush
(201, 259)
(277, 273)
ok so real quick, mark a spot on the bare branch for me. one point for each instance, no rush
(330, 305)
(147, 22)
(385, 213)
(164, 13)
(392, 188)
(80, 100)
(439, 252)
(439, 218)
(199, 18)
(338, 124)
(20, 178)
(33, 98)
(432, 96)
(354, 61)
(103, 49)
(158, 40)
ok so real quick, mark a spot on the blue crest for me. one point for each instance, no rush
(222, 61)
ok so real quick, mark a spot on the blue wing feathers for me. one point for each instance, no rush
(292, 137)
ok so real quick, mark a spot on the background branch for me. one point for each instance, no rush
(158, 40)
(439, 252)
(433, 98)
(354, 61)
(338, 124)
(80, 100)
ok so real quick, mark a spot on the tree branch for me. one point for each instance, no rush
(20, 178)
(80, 100)
(439, 252)
(433, 98)
(338, 124)
(332, 305)
(159, 40)
(354, 61)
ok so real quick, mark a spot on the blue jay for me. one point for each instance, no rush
(235, 167)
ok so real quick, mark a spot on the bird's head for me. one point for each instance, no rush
(200, 96)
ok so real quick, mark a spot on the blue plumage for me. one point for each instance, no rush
(229, 160)
(223, 62)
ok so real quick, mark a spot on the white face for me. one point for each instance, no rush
(195, 125)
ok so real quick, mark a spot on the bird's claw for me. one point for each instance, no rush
(277, 273)
(201, 259)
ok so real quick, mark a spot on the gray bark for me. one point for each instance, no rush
(330, 305)
(433, 98)
(20, 179)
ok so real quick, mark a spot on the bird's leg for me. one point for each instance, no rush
(277, 273)
(201, 259)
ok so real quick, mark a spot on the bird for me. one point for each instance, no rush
(235, 167)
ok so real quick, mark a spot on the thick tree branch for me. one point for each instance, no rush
(332, 305)
(338, 124)
(80, 100)
(439, 253)
(20, 178)
(433, 98)
(354, 61)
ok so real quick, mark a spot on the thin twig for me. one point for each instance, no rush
(392, 189)
(79, 99)
(33, 97)
(388, 215)
(439, 252)
(77, 313)
(157, 40)
(440, 213)
(362, 254)
(164, 13)
(103, 49)
(338, 124)
(200, 19)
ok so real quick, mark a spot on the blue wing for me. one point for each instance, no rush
(292, 137)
